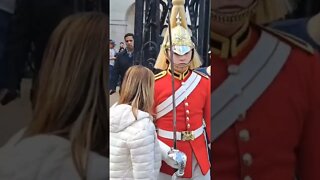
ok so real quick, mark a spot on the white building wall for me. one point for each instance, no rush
(121, 19)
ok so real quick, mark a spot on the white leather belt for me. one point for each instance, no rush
(183, 135)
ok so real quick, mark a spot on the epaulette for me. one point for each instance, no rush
(160, 75)
(201, 73)
(295, 41)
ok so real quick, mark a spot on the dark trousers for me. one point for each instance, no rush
(111, 74)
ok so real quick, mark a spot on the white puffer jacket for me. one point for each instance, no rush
(134, 149)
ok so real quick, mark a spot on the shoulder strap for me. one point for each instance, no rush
(238, 92)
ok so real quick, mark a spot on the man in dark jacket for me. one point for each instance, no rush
(125, 59)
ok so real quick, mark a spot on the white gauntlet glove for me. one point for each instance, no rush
(173, 157)
(180, 159)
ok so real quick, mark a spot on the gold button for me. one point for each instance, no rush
(188, 126)
(247, 159)
(244, 135)
(186, 104)
(187, 111)
(247, 178)
(187, 118)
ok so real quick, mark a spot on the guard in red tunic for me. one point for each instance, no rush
(265, 99)
(192, 99)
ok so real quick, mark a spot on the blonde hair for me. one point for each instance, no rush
(71, 97)
(137, 89)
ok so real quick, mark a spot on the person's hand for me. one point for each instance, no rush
(8, 95)
(112, 91)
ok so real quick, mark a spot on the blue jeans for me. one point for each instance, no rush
(4, 29)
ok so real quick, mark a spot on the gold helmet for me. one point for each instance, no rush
(181, 38)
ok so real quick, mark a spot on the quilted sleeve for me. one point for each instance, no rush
(142, 153)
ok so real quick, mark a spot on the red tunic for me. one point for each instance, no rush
(278, 137)
(198, 105)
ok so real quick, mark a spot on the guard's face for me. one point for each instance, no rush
(181, 62)
(230, 6)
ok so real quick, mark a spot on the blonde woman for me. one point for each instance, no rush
(134, 149)
(67, 138)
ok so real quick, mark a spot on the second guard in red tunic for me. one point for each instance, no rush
(266, 84)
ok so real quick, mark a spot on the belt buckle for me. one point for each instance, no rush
(187, 136)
